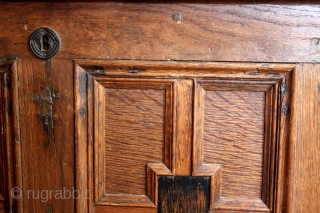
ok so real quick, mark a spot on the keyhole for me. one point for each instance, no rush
(44, 43)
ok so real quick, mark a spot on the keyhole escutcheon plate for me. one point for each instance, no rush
(45, 42)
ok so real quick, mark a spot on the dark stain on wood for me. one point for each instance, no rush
(83, 111)
(7, 60)
(273, 74)
(183, 194)
(7, 82)
(46, 99)
(83, 84)
(256, 72)
(315, 41)
(95, 70)
(177, 17)
(286, 110)
(283, 89)
(135, 70)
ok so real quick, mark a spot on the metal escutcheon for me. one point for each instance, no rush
(45, 43)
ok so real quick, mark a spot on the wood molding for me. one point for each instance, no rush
(10, 151)
(155, 170)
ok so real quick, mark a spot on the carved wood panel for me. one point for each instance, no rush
(234, 119)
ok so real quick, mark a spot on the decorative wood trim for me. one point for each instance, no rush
(197, 154)
(175, 69)
(117, 209)
(182, 146)
(10, 148)
(81, 134)
(154, 170)
(99, 139)
(214, 172)
(251, 205)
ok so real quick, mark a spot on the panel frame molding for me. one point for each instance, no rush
(10, 133)
(270, 88)
(90, 105)
(250, 76)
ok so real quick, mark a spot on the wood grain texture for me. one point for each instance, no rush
(134, 131)
(183, 194)
(270, 144)
(81, 130)
(129, 101)
(117, 209)
(14, 137)
(306, 180)
(184, 121)
(10, 164)
(244, 205)
(6, 146)
(214, 172)
(2, 145)
(47, 118)
(198, 127)
(274, 154)
(154, 171)
(99, 125)
(215, 32)
(233, 137)
(176, 69)
(125, 200)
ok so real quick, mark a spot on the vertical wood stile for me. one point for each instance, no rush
(81, 121)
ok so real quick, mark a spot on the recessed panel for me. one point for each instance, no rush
(135, 136)
(233, 137)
